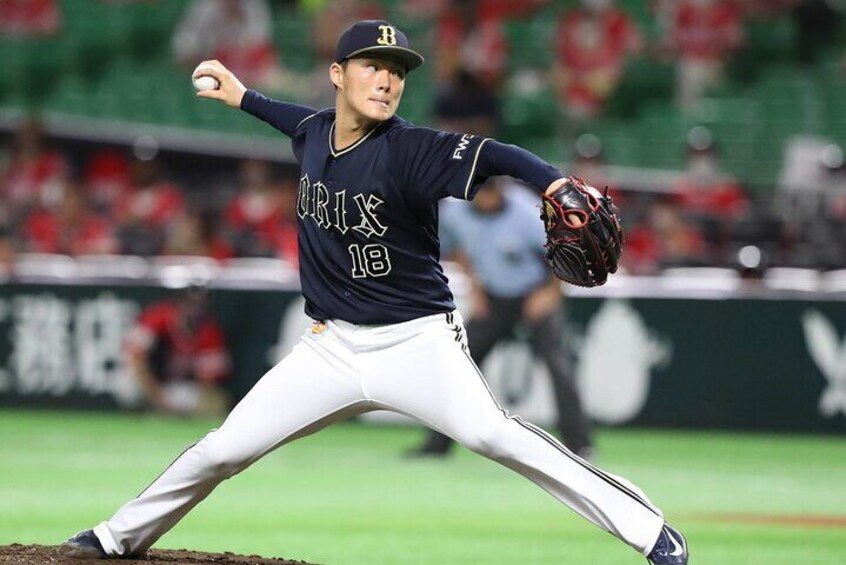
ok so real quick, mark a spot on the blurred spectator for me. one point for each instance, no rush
(178, 356)
(107, 178)
(592, 44)
(285, 241)
(146, 212)
(833, 167)
(835, 208)
(812, 207)
(506, 9)
(702, 34)
(72, 228)
(195, 233)
(704, 189)
(805, 162)
(330, 20)
(236, 32)
(7, 253)
(816, 27)
(253, 218)
(423, 9)
(590, 166)
(465, 105)
(471, 35)
(589, 163)
(469, 38)
(29, 18)
(35, 173)
(665, 238)
(767, 8)
(333, 18)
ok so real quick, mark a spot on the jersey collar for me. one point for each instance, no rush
(351, 147)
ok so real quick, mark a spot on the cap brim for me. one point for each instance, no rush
(412, 59)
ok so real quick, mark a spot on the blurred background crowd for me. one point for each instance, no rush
(719, 125)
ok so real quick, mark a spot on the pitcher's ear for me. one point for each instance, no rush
(336, 74)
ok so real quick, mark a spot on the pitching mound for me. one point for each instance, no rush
(17, 554)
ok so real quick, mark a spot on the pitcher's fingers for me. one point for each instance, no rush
(554, 185)
(212, 68)
(212, 63)
(213, 94)
(576, 220)
(208, 72)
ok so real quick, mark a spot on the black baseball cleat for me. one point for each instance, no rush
(670, 549)
(83, 545)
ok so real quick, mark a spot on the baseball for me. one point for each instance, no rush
(205, 82)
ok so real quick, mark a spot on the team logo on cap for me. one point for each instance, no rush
(389, 35)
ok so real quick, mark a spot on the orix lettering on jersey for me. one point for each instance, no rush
(369, 249)
(369, 260)
(329, 210)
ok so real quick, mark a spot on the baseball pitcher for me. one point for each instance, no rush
(386, 335)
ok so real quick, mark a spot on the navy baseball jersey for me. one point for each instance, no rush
(368, 213)
(368, 218)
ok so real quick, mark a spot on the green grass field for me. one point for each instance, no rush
(347, 495)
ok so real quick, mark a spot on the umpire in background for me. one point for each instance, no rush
(499, 243)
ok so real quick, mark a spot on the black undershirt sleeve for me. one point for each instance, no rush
(284, 116)
(497, 158)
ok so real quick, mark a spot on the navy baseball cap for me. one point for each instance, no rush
(374, 38)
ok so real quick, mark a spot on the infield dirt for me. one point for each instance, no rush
(17, 554)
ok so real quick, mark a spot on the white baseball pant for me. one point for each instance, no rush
(420, 368)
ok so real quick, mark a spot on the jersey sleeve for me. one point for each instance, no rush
(435, 164)
(284, 116)
(497, 158)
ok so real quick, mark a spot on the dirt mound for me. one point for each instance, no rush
(17, 554)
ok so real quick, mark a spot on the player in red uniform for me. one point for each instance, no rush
(177, 354)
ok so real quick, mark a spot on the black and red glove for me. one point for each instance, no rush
(584, 238)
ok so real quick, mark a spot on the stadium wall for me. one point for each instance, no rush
(746, 363)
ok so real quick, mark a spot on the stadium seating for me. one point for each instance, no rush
(112, 61)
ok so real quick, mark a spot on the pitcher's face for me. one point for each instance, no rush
(370, 87)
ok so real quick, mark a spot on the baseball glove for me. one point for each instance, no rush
(584, 238)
